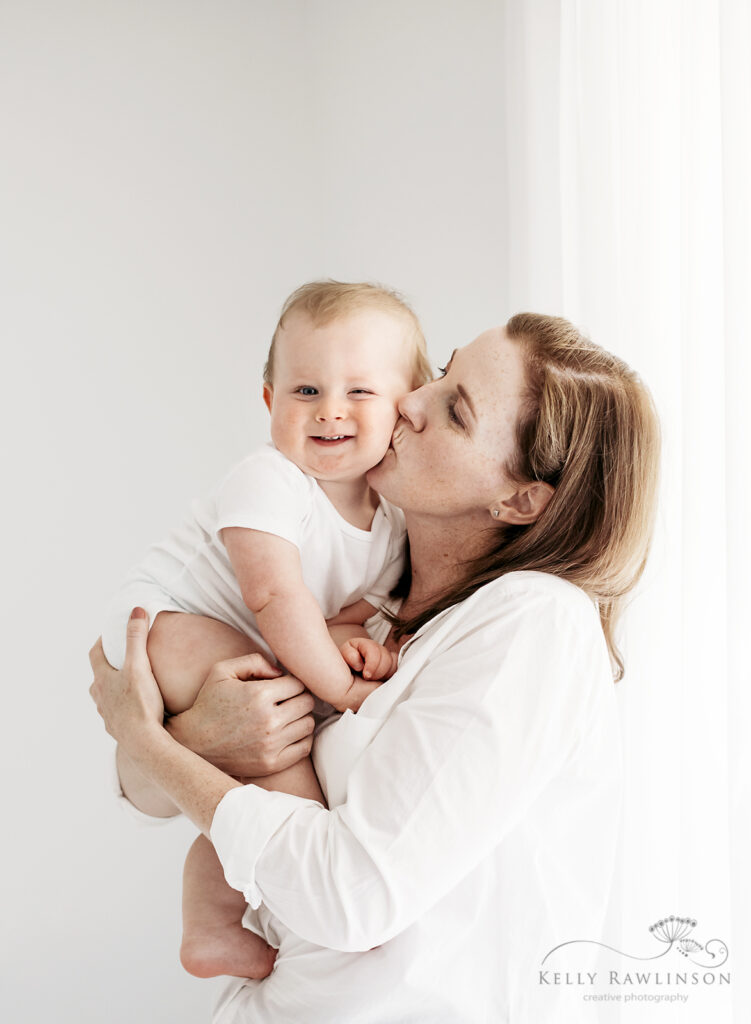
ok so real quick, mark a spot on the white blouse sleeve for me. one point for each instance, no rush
(495, 713)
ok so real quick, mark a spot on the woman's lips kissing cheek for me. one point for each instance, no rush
(396, 438)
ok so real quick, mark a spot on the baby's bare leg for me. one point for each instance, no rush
(182, 650)
(214, 940)
(299, 779)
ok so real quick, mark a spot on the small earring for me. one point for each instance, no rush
(496, 513)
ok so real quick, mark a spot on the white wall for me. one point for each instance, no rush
(169, 172)
(410, 135)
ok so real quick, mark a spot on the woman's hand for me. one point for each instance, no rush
(248, 719)
(129, 701)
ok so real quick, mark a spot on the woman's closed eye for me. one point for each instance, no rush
(453, 415)
(453, 399)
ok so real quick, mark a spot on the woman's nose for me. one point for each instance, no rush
(411, 407)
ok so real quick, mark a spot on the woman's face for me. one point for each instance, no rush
(455, 435)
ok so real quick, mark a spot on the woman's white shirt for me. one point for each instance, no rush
(474, 803)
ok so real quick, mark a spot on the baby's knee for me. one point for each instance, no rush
(175, 671)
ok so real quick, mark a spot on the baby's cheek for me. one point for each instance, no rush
(384, 420)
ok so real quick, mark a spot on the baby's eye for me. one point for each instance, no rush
(360, 391)
(307, 391)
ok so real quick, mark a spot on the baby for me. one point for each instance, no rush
(293, 537)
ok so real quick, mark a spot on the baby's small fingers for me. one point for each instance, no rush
(352, 656)
(377, 663)
(372, 658)
(384, 667)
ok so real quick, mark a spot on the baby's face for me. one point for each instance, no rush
(333, 399)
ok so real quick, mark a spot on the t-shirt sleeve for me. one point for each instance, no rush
(393, 564)
(265, 492)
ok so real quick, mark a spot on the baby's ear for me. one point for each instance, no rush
(268, 395)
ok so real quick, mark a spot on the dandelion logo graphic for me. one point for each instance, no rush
(674, 933)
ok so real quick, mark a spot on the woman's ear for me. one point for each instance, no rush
(525, 505)
(268, 395)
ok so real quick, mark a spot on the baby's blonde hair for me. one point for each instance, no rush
(327, 301)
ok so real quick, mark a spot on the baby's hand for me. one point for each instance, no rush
(369, 658)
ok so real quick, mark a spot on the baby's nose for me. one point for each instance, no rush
(329, 409)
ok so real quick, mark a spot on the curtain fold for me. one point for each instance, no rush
(627, 127)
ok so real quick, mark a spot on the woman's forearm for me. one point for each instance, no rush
(189, 783)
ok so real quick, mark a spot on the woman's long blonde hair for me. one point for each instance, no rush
(589, 428)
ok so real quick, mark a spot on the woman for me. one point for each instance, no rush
(473, 798)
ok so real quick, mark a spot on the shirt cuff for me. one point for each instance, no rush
(244, 821)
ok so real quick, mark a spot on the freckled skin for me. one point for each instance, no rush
(442, 469)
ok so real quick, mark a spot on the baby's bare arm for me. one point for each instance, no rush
(354, 614)
(269, 572)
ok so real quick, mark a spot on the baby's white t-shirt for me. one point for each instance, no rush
(340, 562)
(190, 570)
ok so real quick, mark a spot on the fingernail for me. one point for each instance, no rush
(138, 613)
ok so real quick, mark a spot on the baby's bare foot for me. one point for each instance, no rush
(233, 951)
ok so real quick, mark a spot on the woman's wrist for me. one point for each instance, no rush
(194, 729)
(190, 783)
(142, 740)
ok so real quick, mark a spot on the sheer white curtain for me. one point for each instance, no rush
(629, 171)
